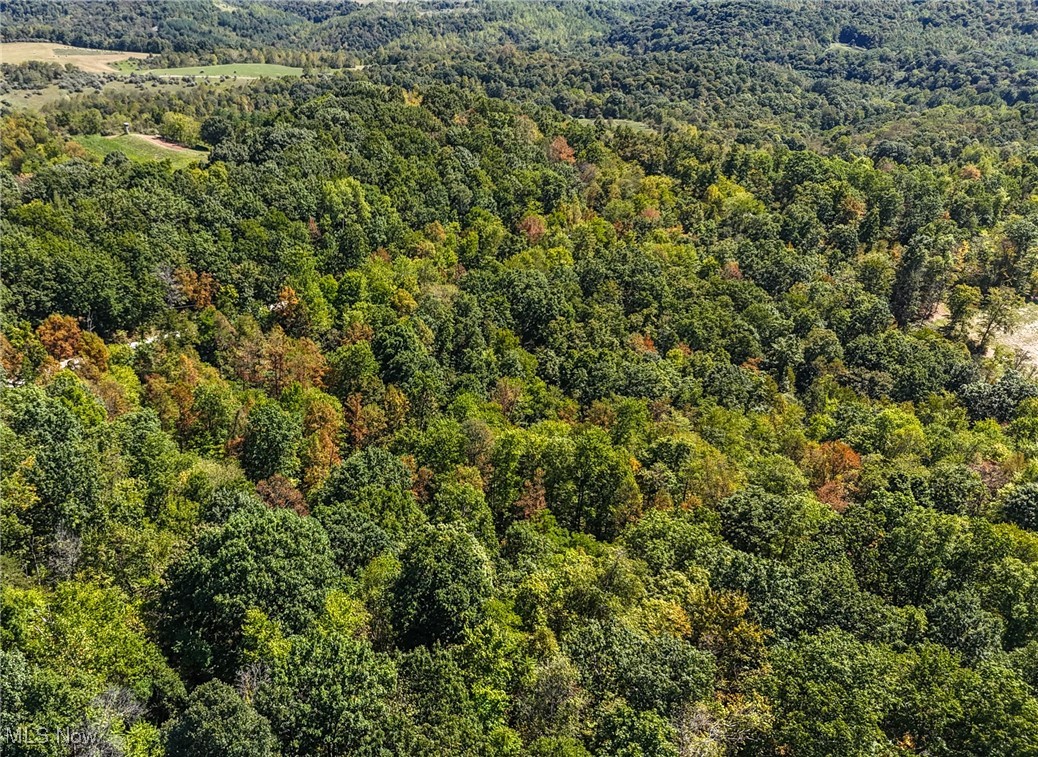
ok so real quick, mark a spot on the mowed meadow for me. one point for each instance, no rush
(140, 147)
(243, 70)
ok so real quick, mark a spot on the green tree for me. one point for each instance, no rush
(625, 732)
(271, 560)
(330, 695)
(944, 707)
(831, 694)
(963, 306)
(180, 128)
(217, 722)
(999, 313)
(270, 442)
(1020, 506)
(768, 524)
(649, 672)
(589, 483)
(445, 580)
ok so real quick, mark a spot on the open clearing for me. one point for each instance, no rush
(241, 70)
(140, 147)
(118, 61)
(1025, 336)
(34, 99)
(30, 99)
(95, 61)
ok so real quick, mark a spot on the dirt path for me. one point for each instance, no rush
(155, 140)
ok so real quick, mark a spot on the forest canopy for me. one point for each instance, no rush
(569, 379)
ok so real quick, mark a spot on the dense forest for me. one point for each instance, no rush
(806, 72)
(569, 380)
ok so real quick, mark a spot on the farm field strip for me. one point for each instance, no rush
(93, 61)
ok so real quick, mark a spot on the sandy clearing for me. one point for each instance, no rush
(94, 61)
(1024, 337)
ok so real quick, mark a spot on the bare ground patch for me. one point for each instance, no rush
(94, 61)
(1025, 336)
(156, 140)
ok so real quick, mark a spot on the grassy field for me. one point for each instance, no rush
(243, 70)
(139, 148)
(95, 61)
(29, 99)
(36, 99)
(128, 66)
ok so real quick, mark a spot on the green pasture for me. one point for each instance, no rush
(250, 70)
(138, 148)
